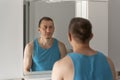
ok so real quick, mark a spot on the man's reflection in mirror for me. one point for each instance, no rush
(41, 53)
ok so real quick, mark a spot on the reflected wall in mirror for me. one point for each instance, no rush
(60, 12)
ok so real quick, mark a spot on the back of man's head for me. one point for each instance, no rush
(80, 28)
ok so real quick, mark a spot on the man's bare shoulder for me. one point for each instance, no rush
(62, 48)
(64, 62)
(61, 44)
(28, 48)
(60, 69)
(29, 45)
(63, 69)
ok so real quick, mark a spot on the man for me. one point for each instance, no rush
(43, 52)
(84, 63)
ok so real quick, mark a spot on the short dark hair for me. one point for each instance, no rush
(80, 28)
(45, 18)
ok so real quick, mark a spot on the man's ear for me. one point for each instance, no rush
(69, 37)
(38, 29)
(91, 36)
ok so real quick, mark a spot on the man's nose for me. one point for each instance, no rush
(48, 30)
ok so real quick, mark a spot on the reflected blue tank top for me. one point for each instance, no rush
(94, 67)
(43, 59)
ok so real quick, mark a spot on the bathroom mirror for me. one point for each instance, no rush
(61, 12)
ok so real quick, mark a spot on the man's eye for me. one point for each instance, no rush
(50, 27)
(45, 27)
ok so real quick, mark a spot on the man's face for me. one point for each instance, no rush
(46, 29)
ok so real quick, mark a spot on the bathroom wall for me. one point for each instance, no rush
(11, 39)
(114, 32)
(98, 15)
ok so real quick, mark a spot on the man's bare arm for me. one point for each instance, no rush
(62, 48)
(112, 68)
(56, 72)
(28, 57)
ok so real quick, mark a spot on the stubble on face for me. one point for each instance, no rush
(46, 30)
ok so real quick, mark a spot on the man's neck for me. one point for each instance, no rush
(46, 41)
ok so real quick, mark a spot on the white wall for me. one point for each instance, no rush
(114, 32)
(11, 38)
(98, 15)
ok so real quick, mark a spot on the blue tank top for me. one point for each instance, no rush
(43, 59)
(94, 67)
